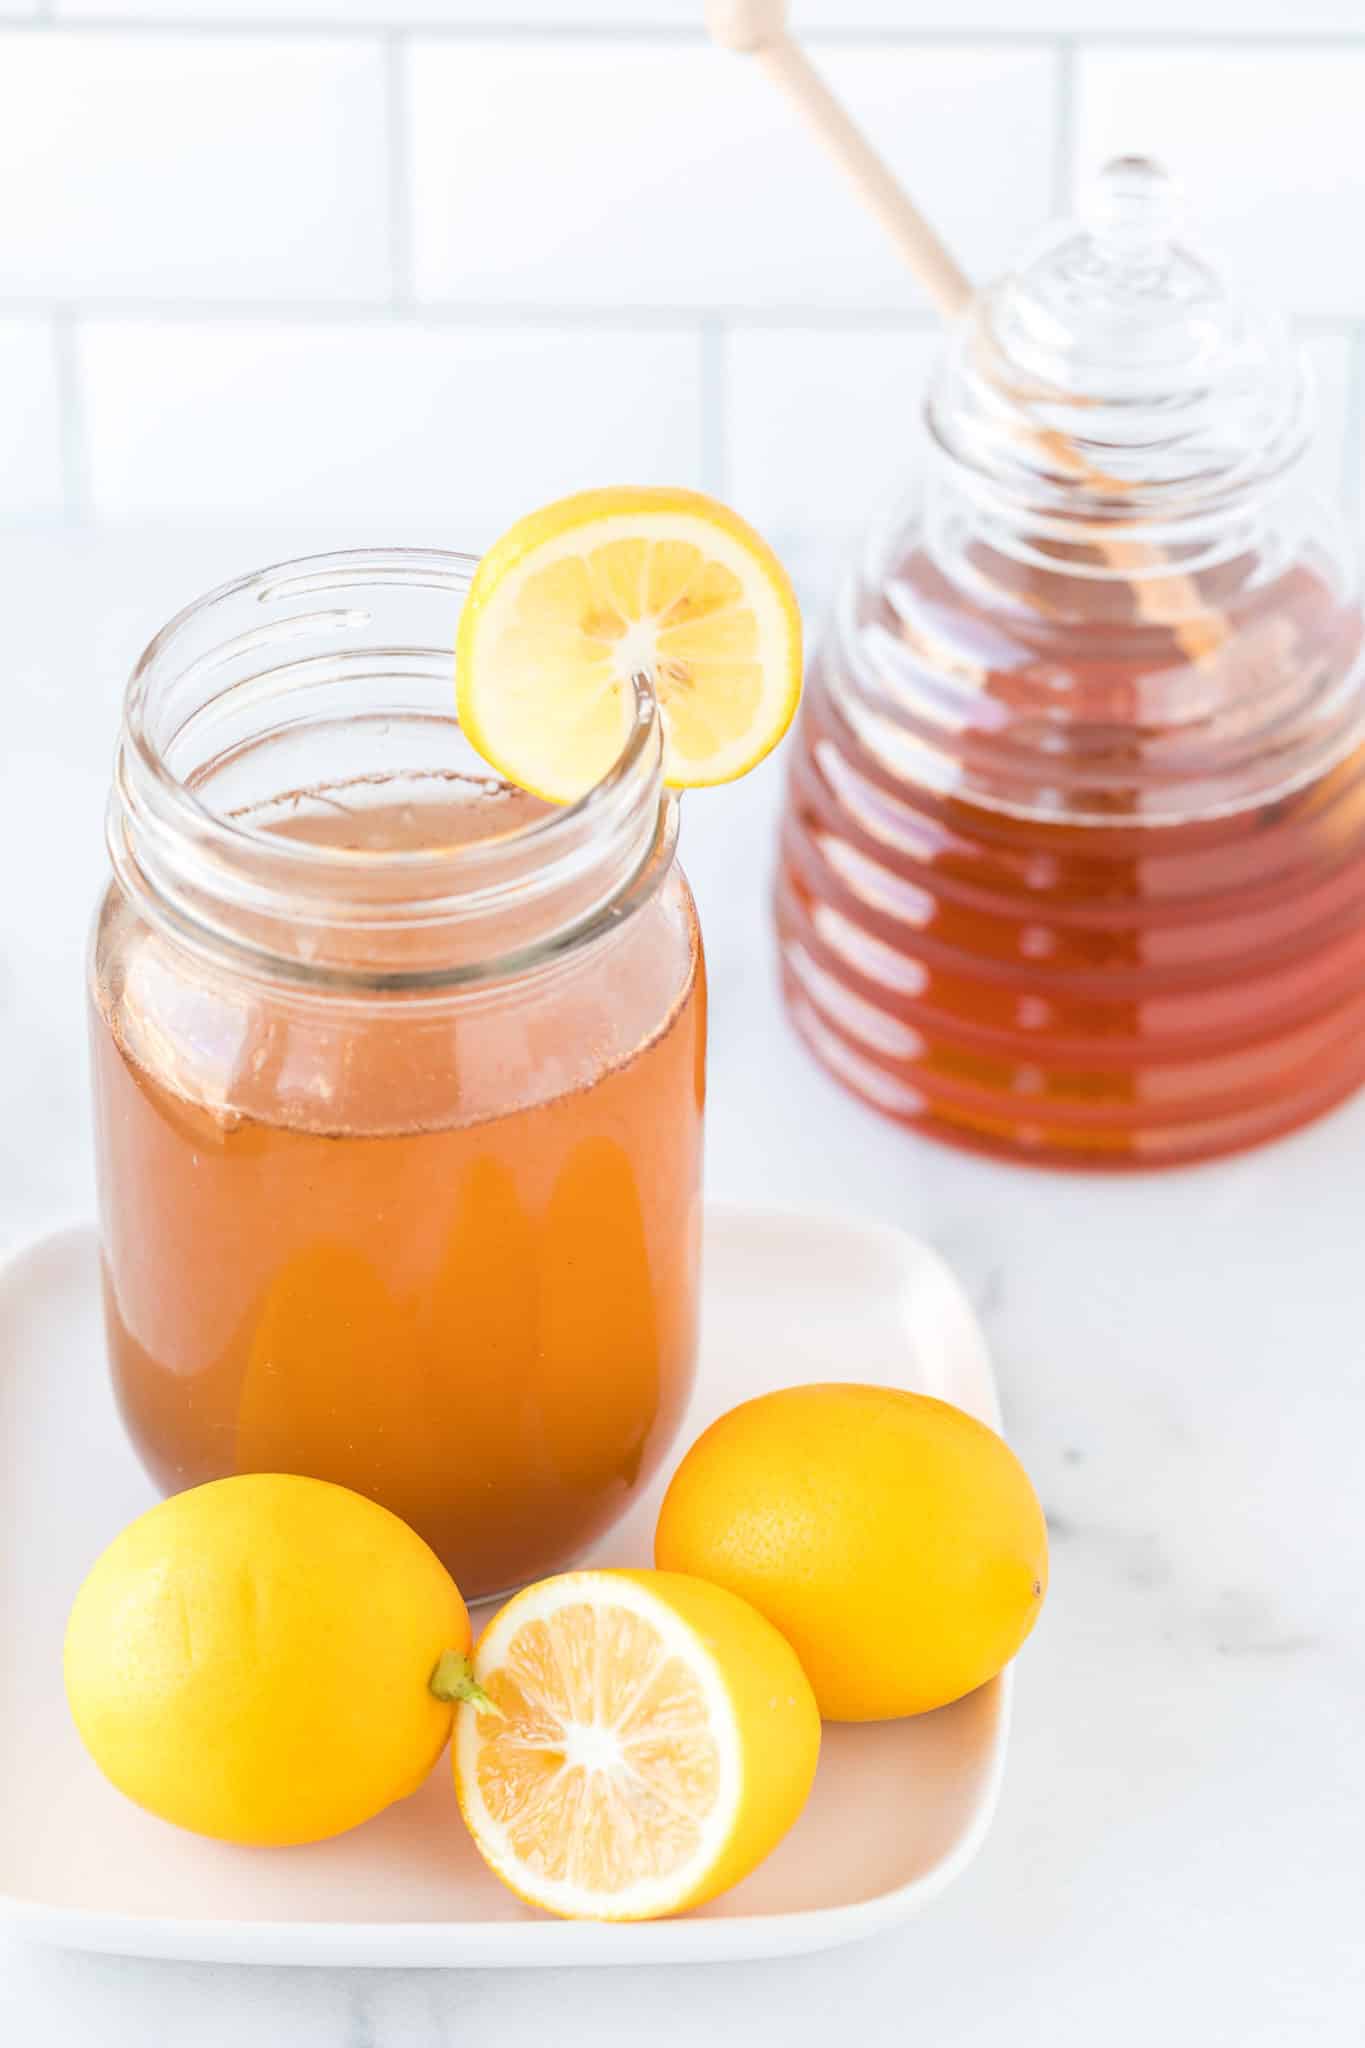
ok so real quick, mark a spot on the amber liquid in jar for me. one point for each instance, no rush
(1113, 992)
(364, 1266)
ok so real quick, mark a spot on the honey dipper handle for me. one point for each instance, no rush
(758, 29)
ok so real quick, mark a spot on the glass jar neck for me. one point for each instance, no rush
(1113, 383)
(322, 689)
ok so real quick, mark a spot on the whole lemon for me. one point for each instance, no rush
(252, 1659)
(894, 1540)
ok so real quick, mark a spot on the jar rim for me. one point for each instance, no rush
(234, 887)
(457, 577)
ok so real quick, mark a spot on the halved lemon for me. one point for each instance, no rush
(578, 599)
(655, 1738)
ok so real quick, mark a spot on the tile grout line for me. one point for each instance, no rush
(71, 418)
(401, 212)
(713, 408)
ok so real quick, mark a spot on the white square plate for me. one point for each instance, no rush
(899, 1808)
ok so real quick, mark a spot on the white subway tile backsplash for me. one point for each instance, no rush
(662, 175)
(1270, 145)
(238, 199)
(407, 432)
(824, 428)
(213, 167)
(31, 486)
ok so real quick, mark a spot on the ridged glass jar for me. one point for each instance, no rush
(1073, 863)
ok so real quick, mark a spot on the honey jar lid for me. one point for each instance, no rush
(1113, 373)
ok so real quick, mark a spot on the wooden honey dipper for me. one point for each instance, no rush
(758, 29)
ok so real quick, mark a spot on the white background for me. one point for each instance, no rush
(301, 272)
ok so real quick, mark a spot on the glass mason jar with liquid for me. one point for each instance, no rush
(1073, 861)
(399, 1080)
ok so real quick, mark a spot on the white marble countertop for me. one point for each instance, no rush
(1182, 1359)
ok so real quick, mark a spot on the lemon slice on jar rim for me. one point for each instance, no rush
(580, 598)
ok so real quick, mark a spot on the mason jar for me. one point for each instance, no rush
(399, 1077)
